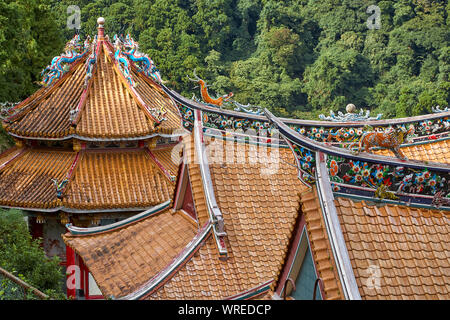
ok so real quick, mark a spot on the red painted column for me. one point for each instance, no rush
(71, 273)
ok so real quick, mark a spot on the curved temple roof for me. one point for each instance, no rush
(93, 101)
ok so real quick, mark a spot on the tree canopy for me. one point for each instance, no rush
(296, 57)
(25, 258)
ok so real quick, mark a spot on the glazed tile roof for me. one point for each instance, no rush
(432, 151)
(320, 244)
(259, 211)
(124, 259)
(27, 180)
(154, 96)
(48, 115)
(170, 160)
(112, 110)
(408, 248)
(109, 179)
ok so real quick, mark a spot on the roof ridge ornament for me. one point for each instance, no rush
(248, 108)
(73, 51)
(363, 115)
(122, 61)
(438, 109)
(214, 102)
(140, 59)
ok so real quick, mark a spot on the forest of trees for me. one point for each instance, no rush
(298, 58)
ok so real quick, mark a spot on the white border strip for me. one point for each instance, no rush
(338, 246)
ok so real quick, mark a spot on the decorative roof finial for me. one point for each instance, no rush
(100, 28)
(351, 115)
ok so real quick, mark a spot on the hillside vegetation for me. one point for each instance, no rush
(298, 58)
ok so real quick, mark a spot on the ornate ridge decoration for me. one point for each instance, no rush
(141, 60)
(224, 100)
(7, 109)
(306, 163)
(225, 122)
(60, 187)
(91, 60)
(344, 136)
(122, 60)
(438, 109)
(187, 116)
(350, 116)
(215, 102)
(410, 181)
(256, 110)
(388, 140)
(60, 64)
(396, 179)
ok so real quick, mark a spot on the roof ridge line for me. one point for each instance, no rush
(363, 156)
(88, 82)
(77, 231)
(159, 165)
(19, 154)
(213, 209)
(130, 89)
(292, 121)
(333, 228)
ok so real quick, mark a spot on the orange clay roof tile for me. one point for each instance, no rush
(27, 180)
(123, 260)
(48, 114)
(117, 179)
(412, 264)
(257, 239)
(432, 151)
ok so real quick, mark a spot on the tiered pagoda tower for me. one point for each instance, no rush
(94, 144)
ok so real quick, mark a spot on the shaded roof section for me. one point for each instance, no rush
(123, 259)
(406, 249)
(102, 106)
(113, 179)
(27, 180)
(97, 180)
(320, 245)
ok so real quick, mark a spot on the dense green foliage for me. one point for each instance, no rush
(297, 57)
(25, 258)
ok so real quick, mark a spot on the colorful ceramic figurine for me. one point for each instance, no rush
(388, 140)
(205, 95)
(144, 63)
(59, 65)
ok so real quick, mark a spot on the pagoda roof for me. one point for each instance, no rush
(95, 101)
(98, 180)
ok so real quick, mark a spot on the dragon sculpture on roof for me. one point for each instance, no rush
(74, 50)
(142, 60)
